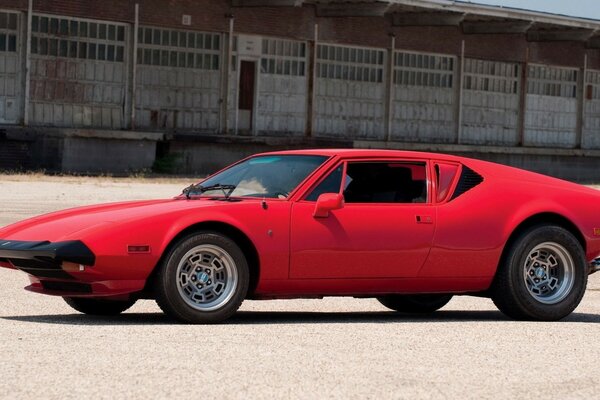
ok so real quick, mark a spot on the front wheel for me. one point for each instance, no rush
(415, 304)
(93, 306)
(203, 279)
(543, 275)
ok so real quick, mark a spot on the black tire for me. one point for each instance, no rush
(93, 306)
(415, 304)
(514, 296)
(171, 294)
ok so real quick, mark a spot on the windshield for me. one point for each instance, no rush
(261, 176)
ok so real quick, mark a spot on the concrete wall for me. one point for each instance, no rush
(499, 91)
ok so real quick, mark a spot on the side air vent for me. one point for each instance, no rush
(467, 181)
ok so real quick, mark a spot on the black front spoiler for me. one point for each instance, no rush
(44, 259)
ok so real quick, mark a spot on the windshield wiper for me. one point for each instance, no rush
(199, 189)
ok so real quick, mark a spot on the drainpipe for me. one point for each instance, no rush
(27, 65)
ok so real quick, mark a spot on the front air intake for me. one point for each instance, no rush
(467, 181)
(67, 287)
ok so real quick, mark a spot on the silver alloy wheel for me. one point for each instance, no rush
(549, 273)
(206, 277)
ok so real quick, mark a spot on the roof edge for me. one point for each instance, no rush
(501, 12)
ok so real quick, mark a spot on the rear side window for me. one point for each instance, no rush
(445, 174)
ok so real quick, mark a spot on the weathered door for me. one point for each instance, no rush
(246, 97)
(9, 71)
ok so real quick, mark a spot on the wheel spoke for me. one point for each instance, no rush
(548, 273)
(206, 277)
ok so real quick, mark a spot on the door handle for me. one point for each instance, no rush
(424, 219)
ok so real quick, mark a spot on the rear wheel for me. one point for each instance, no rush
(543, 275)
(98, 306)
(204, 279)
(415, 304)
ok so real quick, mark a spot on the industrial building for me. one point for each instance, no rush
(114, 85)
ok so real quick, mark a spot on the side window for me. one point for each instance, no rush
(386, 182)
(331, 184)
(445, 174)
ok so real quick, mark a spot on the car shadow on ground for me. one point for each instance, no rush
(291, 317)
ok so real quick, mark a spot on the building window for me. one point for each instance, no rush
(429, 70)
(283, 57)
(552, 81)
(491, 76)
(8, 32)
(180, 49)
(350, 63)
(77, 38)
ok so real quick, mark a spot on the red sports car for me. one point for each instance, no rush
(410, 229)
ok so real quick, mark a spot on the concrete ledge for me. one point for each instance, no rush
(30, 133)
(457, 148)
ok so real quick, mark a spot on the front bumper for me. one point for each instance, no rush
(45, 259)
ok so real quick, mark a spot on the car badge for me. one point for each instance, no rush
(596, 231)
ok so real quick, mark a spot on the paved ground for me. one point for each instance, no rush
(334, 348)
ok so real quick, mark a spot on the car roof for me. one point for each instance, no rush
(352, 153)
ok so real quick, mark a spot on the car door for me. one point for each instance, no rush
(384, 229)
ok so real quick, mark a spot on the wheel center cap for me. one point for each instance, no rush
(203, 277)
(540, 272)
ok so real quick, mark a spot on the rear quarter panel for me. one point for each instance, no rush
(473, 229)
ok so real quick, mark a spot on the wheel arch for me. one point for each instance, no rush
(239, 237)
(543, 218)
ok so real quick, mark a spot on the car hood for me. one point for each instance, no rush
(64, 225)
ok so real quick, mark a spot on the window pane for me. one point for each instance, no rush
(331, 184)
(3, 20)
(394, 182)
(44, 25)
(112, 34)
(54, 25)
(120, 53)
(74, 28)
(12, 43)
(83, 29)
(82, 50)
(101, 52)
(53, 47)
(92, 51)
(12, 21)
(93, 30)
(110, 53)
(64, 48)
(121, 33)
(34, 45)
